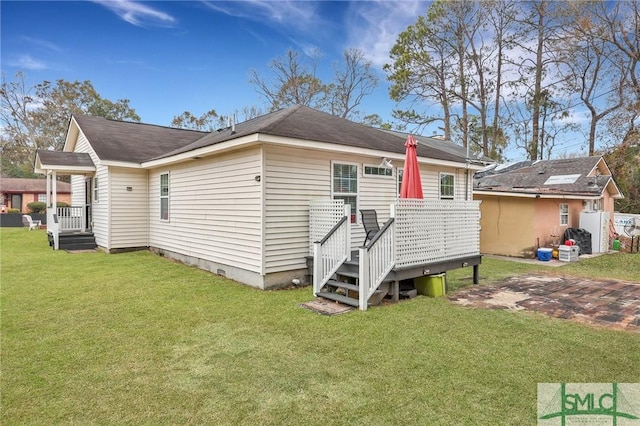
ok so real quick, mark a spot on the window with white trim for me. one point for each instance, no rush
(399, 175)
(96, 198)
(597, 204)
(564, 214)
(446, 186)
(42, 198)
(164, 196)
(345, 186)
(377, 171)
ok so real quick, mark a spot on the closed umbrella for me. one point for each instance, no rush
(411, 183)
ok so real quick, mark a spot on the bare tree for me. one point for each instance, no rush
(37, 117)
(353, 80)
(209, 121)
(294, 83)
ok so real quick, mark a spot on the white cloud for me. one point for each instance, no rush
(138, 14)
(29, 63)
(297, 14)
(374, 26)
(47, 45)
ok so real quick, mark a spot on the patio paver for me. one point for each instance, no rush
(611, 303)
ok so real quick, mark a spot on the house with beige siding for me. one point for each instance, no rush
(238, 201)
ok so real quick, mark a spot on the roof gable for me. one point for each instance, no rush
(132, 142)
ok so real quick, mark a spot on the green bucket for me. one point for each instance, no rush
(431, 285)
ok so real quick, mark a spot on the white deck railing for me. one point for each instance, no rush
(377, 259)
(429, 231)
(334, 248)
(419, 232)
(71, 219)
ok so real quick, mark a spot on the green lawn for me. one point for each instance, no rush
(136, 339)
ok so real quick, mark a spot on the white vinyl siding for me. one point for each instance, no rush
(215, 210)
(129, 220)
(293, 177)
(430, 176)
(100, 211)
(296, 176)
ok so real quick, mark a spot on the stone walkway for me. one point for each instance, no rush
(611, 303)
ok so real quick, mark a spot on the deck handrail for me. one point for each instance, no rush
(332, 251)
(332, 231)
(377, 259)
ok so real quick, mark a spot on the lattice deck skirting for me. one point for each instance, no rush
(323, 215)
(436, 230)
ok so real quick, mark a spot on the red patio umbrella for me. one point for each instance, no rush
(411, 183)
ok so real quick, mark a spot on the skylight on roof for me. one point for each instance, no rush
(561, 179)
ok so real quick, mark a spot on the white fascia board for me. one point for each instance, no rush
(73, 124)
(43, 168)
(297, 143)
(345, 149)
(203, 152)
(616, 193)
(536, 195)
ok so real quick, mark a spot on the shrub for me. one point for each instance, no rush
(37, 207)
(13, 211)
(62, 204)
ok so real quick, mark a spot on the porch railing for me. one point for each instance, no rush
(334, 248)
(430, 231)
(71, 218)
(377, 259)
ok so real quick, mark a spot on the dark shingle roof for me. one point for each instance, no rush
(132, 142)
(301, 122)
(526, 177)
(30, 185)
(137, 142)
(67, 159)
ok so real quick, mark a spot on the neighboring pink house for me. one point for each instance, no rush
(16, 193)
(528, 205)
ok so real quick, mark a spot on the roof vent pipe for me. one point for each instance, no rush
(233, 123)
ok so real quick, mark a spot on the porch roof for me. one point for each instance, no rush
(63, 162)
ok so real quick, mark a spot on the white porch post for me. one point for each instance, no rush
(55, 190)
(48, 200)
(54, 209)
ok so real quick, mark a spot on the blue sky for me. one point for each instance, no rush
(167, 57)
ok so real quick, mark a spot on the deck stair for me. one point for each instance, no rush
(73, 241)
(344, 288)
